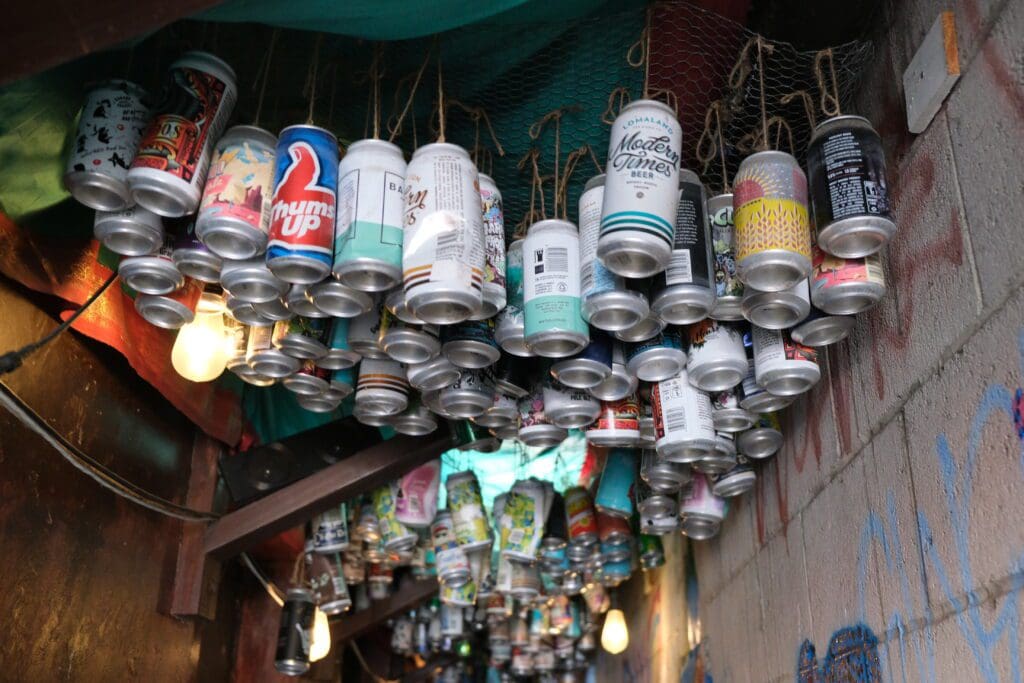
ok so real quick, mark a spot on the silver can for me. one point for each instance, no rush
(265, 359)
(503, 411)
(469, 396)
(395, 302)
(662, 475)
(134, 231)
(302, 338)
(554, 325)
(234, 213)
(846, 286)
(684, 428)
(407, 343)
(717, 359)
(617, 424)
(109, 128)
(821, 329)
(191, 257)
(782, 366)
(299, 301)
(364, 334)
(777, 310)
(758, 400)
(443, 247)
(728, 286)
(245, 312)
(153, 273)
(651, 503)
(508, 431)
(416, 420)
(169, 169)
(535, 429)
(173, 310)
(720, 460)
(762, 440)
(277, 309)
(641, 190)
(510, 331)
(649, 326)
(569, 408)
(658, 358)
(737, 481)
(382, 388)
(470, 344)
(308, 380)
(620, 383)
(343, 382)
(494, 248)
(589, 367)
(701, 512)
(727, 413)
(250, 280)
(433, 375)
(338, 300)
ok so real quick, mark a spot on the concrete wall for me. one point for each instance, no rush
(896, 503)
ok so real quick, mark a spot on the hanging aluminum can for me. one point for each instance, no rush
(507, 432)
(717, 359)
(433, 375)
(371, 204)
(648, 435)
(467, 508)
(641, 190)
(265, 358)
(469, 396)
(782, 366)
(514, 375)
(245, 312)
(660, 474)
(301, 337)
(755, 398)
(483, 578)
(277, 309)
(658, 358)
(326, 402)
(652, 554)
(737, 481)
(494, 248)
(343, 382)
(684, 290)
(846, 286)
(612, 530)
(651, 503)
(330, 530)
(236, 334)
(722, 459)
(580, 517)
(773, 235)
(452, 624)
(173, 310)
(510, 332)
(554, 326)
(762, 440)
(295, 633)
(649, 325)
(777, 310)
(169, 170)
(607, 304)
(234, 213)
(521, 521)
(589, 367)
(152, 273)
(443, 247)
(569, 408)
(416, 420)
(407, 343)
(328, 573)
(395, 302)
(395, 535)
(251, 281)
(700, 511)
(299, 300)
(109, 128)
(308, 380)
(502, 412)
(535, 428)
(728, 286)
(470, 437)
(382, 388)
(302, 213)
(849, 193)
(727, 412)
(682, 420)
(618, 424)
(620, 383)
(416, 503)
(821, 329)
(332, 298)
(470, 344)
(364, 334)
(339, 355)
(191, 257)
(617, 479)
(134, 231)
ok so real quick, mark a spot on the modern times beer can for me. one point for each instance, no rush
(371, 202)
(728, 286)
(849, 193)
(641, 190)
(510, 332)
(494, 248)
(109, 129)
(846, 286)
(773, 238)
(443, 244)
(554, 325)
(302, 213)
(169, 170)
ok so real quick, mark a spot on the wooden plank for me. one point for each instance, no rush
(298, 502)
(410, 593)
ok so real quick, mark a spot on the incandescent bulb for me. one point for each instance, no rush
(320, 643)
(615, 635)
(200, 352)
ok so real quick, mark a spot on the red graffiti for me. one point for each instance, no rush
(839, 376)
(1001, 72)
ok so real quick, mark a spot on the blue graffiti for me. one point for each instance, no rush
(852, 657)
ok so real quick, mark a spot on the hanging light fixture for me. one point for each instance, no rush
(615, 634)
(200, 351)
(320, 642)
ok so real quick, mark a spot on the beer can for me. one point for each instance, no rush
(382, 388)
(467, 508)
(620, 383)
(842, 286)
(514, 375)
(191, 257)
(503, 411)
(684, 291)
(717, 358)
(494, 248)
(701, 512)
(727, 413)
(589, 367)
(109, 128)
(173, 310)
(251, 281)
(612, 530)
(470, 344)
(649, 325)
(520, 523)
(648, 435)
(416, 503)
(569, 408)
(343, 382)
(617, 479)
(755, 398)
(339, 355)
(782, 366)
(452, 624)
(722, 459)
(683, 425)
(469, 396)
(660, 474)
(641, 190)
(728, 286)
(236, 335)
(658, 358)
(295, 633)
(277, 309)
(821, 329)
(849, 193)
(364, 334)
(652, 553)
(737, 481)
(394, 534)
(308, 380)
(535, 428)
(234, 216)
(371, 204)
(407, 343)
(762, 440)
(618, 424)
(651, 503)
(299, 301)
(777, 310)
(433, 375)
(452, 562)
(395, 302)
(152, 273)
(334, 595)
(303, 338)
(508, 431)
(133, 231)
(443, 244)
(340, 301)
(607, 304)
(659, 526)
(265, 358)
(330, 530)
(580, 517)
(510, 329)
(169, 170)
(773, 237)
(554, 325)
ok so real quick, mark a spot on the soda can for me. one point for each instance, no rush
(295, 633)
(339, 355)
(152, 273)
(510, 330)
(469, 396)
(641, 190)
(612, 529)
(658, 358)
(849, 193)
(722, 459)
(382, 388)
(265, 358)
(330, 530)
(502, 412)
(443, 246)
(416, 504)
(452, 623)
(276, 309)
(467, 508)
(333, 298)
(821, 329)
(303, 338)
(684, 429)
(607, 304)
(364, 334)
(782, 366)
(589, 367)
(394, 534)
(762, 440)
(308, 380)
(535, 428)
(737, 481)
(659, 526)
(133, 231)
(755, 398)
(661, 475)
(170, 311)
(343, 382)
(395, 302)
(569, 408)
(701, 512)
(251, 281)
(773, 235)
(169, 170)
(846, 286)
(470, 344)
(191, 257)
(554, 325)
(777, 310)
(371, 204)
(684, 291)
(620, 383)
(508, 431)
(617, 479)
(717, 359)
(234, 213)
(433, 375)
(236, 334)
(494, 248)
(727, 412)
(618, 424)
(407, 343)
(334, 595)
(728, 286)
(651, 503)
(109, 128)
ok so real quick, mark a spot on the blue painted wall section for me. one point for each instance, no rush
(852, 657)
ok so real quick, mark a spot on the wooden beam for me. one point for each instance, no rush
(410, 593)
(298, 502)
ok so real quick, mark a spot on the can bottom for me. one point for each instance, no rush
(687, 451)
(557, 344)
(298, 270)
(231, 239)
(615, 311)
(575, 417)
(728, 309)
(657, 364)
(469, 354)
(683, 304)
(716, 463)
(98, 191)
(163, 312)
(775, 310)
(732, 420)
(513, 342)
(494, 419)
(465, 406)
(444, 308)
(823, 331)
(699, 526)
(305, 385)
(338, 300)
(493, 302)
(256, 286)
(368, 274)
(856, 236)
(642, 331)
(291, 667)
(734, 484)
(849, 299)
(133, 239)
(163, 194)
(717, 375)
(765, 402)
(613, 438)
(581, 373)
(773, 271)
(198, 264)
(759, 443)
(542, 435)
(615, 387)
(414, 425)
(633, 257)
(410, 347)
(794, 380)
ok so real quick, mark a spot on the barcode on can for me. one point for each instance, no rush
(680, 269)
(447, 245)
(557, 259)
(675, 420)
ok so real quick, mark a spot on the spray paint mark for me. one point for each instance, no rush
(852, 657)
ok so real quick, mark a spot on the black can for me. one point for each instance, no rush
(296, 632)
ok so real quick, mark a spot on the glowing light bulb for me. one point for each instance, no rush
(615, 635)
(200, 352)
(320, 643)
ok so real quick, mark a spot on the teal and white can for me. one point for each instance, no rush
(554, 326)
(510, 332)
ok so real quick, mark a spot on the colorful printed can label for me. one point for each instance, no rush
(109, 129)
(371, 203)
(391, 530)
(594, 277)
(551, 281)
(847, 171)
(417, 499)
(770, 201)
(620, 416)
(579, 512)
(467, 507)
(669, 339)
(699, 499)
(519, 523)
(772, 347)
(831, 271)
(727, 283)
(241, 179)
(616, 487)
(531, 410)
(494, 232)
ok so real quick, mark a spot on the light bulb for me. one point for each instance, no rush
(200, 352)
(320, 643)
(615, 635)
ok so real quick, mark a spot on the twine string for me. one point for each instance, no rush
(617, 99)
(593, 158)
(571, 161)
(639, 53)
(311, 78)
(741, 69)
(265, 76)
(761, 49)
(829, 95)
(440, 97)
(394, 131)
(712, 140)
(806, 100)
(782, 125)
